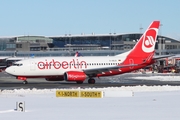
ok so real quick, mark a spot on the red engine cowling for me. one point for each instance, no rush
(74, 76)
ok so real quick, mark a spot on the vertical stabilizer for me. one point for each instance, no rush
(144, 49)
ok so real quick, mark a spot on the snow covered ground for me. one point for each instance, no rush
(160, 77)
(147, 103)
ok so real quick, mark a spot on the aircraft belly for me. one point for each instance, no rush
(41, 73)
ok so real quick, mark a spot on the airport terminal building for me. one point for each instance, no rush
(88, 45)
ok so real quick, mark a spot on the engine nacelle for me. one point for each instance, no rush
(74, 76)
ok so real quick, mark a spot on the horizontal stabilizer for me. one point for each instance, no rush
(161, 56)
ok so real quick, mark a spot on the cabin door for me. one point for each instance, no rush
(32, 65)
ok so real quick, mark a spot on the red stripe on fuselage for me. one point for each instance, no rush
(124, 70)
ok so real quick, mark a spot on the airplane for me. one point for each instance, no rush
(8, 61)
(3, 64)
(78, 69)
(78, 54)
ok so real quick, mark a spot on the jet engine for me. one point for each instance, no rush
(74, 76)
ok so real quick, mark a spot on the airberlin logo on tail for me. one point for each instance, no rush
(149, 40)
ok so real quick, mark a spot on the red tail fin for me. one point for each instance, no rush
(144, 48)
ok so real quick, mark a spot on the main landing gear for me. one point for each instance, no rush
(25, 82)
(91, 81)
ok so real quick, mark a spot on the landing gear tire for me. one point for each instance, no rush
(25, 82)
(91, 81)
(79, 82)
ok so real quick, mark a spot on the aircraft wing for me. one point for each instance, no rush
(162, 56)
(1, 67)
(106, 69)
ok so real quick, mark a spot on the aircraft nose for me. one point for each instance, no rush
(9, 70)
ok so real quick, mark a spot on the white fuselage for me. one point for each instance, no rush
(51, 66)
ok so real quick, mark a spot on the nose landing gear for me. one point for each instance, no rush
(25, 82)
(22, 78)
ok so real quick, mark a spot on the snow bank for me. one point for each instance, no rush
(160, 78)
(143, 88)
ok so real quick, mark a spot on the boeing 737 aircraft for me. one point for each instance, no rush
(77, 69)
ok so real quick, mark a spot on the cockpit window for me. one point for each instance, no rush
(16, 64)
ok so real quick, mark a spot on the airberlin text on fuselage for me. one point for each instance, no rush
(53, 64)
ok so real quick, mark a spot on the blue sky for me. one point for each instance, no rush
(59, 17)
